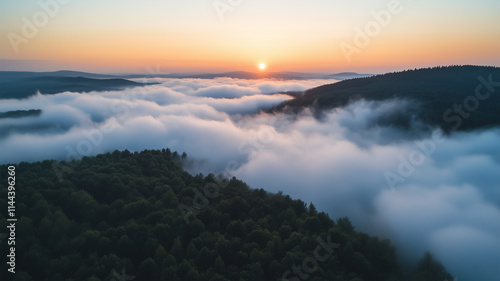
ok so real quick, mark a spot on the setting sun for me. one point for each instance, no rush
(262, 66)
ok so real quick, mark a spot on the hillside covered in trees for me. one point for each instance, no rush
(21, 85)
(439, 96)
(124, 215)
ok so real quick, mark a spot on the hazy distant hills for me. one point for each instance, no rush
(259, 75)
(20, 85)
(443, 96)
(6, 76)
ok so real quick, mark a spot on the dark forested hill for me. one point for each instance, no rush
(17, 75)
(29, 85)
(441, 95)
(20, 113)
(123, 215)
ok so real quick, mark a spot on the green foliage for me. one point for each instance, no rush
(345, 225)
(430, 270)
(120, 210)
(28, 84)
(432, 92)
(20, 113)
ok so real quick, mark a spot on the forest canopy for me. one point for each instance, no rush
(438, 95)
(140, 215)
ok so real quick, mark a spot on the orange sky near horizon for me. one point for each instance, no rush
(288, 36)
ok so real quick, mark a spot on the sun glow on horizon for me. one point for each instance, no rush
(161, 33)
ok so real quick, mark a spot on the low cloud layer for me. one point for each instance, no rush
(421, 189)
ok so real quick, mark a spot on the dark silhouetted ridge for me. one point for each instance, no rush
(436, 91)
(23, 85)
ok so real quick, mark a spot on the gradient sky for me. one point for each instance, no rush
(288, 35)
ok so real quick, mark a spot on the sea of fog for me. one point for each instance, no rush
(420, 188)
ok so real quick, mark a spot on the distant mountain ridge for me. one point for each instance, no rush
(23, 85)
(439, 95)
(258, 75)
(17, 75)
